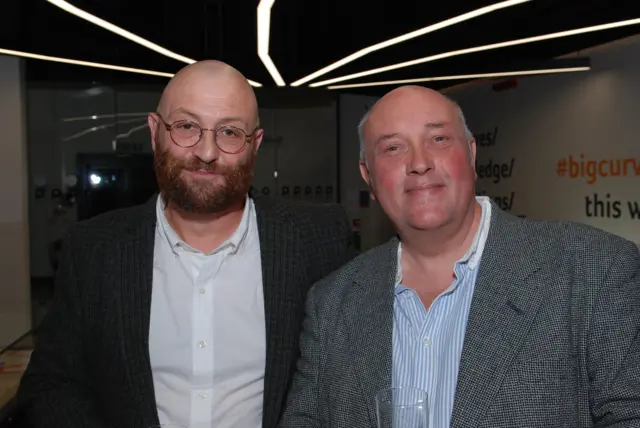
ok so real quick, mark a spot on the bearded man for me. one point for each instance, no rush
(186, 310)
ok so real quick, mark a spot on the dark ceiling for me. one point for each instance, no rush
(305, 35)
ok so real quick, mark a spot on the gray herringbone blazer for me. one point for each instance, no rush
(553, 338)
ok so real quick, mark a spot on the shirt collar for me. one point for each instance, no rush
(473, 255)
(233, 242)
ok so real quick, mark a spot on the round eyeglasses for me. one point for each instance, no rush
(228, 138)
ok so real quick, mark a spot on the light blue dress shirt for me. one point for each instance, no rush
(427, 345)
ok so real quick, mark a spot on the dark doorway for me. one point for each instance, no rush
(108, 181)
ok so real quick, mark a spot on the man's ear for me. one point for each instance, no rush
(364, 172)
(152, 121)
(472, 155)
(258, 139)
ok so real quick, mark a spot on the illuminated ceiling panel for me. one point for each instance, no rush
(83, 63)
(479, 49)
(462, 77)
(408, 36)
(68, 7)
(272, 41)
(264, 29)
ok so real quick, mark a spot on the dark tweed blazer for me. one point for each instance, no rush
(91, 366)
(553, 338)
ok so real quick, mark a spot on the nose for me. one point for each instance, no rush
(206, 150)
(420, 161)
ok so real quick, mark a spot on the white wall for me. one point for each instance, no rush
(306, 155)
(591, 116)
(15, 305)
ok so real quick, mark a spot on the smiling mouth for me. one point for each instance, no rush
(427, 188)
(202, 172)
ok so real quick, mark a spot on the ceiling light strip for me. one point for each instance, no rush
(408, 36)
(480, 49)
(68, 7)
(100, 128)
(83, 63)
(264, 31)
(462, 77)
(105, 116)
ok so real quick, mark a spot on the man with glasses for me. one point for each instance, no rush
(186, 310)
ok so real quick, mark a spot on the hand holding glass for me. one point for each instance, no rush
(402, 408)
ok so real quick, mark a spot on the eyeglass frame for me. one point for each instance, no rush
(169, 128)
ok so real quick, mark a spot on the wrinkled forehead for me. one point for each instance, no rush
(398, 116)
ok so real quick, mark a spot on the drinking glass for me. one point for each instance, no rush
(402, 407)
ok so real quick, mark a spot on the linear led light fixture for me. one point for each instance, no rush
(114, 143)
(408, 36)
(480, 49)
(264, 29)
(68, 7)
(104, 116)
(83, 63)
(462, 77)
(101, 127)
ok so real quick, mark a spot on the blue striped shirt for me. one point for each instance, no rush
(427, 344)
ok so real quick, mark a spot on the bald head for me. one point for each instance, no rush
(210, 82)
(413, 97)
(404, 93)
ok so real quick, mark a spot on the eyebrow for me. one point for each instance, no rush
(232, 119)
(385, 137)
(224, 120)
(435, 125)
(184, 112)
(428, 125)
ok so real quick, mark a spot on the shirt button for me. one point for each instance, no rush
(202, 395)
(202, 344)
(426, 342)
(202, 291)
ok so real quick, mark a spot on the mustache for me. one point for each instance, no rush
(198, 165)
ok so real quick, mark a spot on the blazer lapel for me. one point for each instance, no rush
(368, 311)
(283, 299)
(504, 305)
(135, 286)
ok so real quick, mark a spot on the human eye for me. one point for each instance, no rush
(185, 126)
(392, 148)
(230, 132)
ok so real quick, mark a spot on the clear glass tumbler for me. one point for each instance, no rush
(402, 408)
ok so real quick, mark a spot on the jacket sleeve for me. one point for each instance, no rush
(56, 390)
(301, 409)
(613, 355)
(346, 234)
